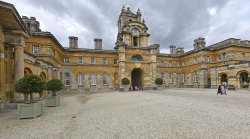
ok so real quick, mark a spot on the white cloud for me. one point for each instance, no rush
(212, 11)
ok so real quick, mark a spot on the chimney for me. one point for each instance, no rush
(98, 44)
(73, 42)
(180, 50)
(172, 49)
(199, 43)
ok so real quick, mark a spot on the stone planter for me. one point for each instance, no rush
(52, 101)
(31, 110)
(125, 89)
(159, 88)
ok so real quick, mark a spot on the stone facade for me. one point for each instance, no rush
(25, 49)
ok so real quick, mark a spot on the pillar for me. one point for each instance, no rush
(213, 78)
(19, 62)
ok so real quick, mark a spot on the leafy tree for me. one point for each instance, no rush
(125, 81)
(158, 81)
(54, 85)
(30, 84)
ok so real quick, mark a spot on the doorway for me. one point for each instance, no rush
(136, 77)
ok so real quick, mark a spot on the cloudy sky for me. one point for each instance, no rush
(176, 22)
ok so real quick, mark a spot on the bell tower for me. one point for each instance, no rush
(132, 31)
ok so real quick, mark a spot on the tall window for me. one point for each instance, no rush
(36, 49)
(162, 63)
(115, 61)
(194, 60)
(170, 63)
(195, 76)
(66, 79)
(135, 41)
(219, 58)
(66, 59)
(104, 61)
(92, 60)
(79, 60)
(80, 78)
(105, 79)
(162, 76)
(93, 79)
(170, 78)
(208, 58)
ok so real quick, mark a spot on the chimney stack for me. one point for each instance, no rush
(98, 44)
(172, 49)
(73, 42)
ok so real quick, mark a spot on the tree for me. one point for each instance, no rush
(30, 84)
(54, 85)
(125, 81)
(158, 81)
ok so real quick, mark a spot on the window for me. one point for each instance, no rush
(195, 76)
(194, 60)
(80, 78)
(162, 63)
(105, 79)
(135, 41)
(162, 76)
(219, 58)
(36, 49)
(104, 61)
(66, 59)
(223, 56)
(243, 55)
(67, 79)
(208, 58)
(170, 78)
(170, 63)
(93, 79)
(115, 61)
(136, 58)
(79, 60)
(92, 60)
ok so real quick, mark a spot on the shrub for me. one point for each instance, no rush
(125, 81)
(158, 81)
(30, 84)
(54, 85)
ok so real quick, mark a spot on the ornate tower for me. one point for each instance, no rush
(131, 30)
(137, 59)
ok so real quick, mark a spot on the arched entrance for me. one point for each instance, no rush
(223, 78)
(243, 79)
(136, 77)
(27, 71)
(43, 76)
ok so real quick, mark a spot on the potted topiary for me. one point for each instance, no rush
(28, 85)
(125, 81)
(54, 85)
(159, 82)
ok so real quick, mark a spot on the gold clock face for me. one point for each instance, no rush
(135, 31)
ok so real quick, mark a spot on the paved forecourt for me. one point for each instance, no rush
(169, 113)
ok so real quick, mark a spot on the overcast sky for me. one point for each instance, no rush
(170, 22)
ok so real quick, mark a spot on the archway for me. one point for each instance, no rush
(136, 77)
(27, 71)
(43, 76)
(223, 78)
(243, 79)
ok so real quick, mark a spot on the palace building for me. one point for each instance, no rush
(26, 49)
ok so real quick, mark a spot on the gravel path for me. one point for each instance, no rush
(170, 113)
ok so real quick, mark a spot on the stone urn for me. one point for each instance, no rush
(245, 84)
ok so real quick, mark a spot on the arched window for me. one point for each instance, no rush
(136, 58)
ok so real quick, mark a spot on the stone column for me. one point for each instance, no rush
(19, 62)
(203, 80)
(213, 77)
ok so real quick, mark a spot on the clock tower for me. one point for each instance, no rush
(137, 59)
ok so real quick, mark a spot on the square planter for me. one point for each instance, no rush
(53, 101)
(30, 110)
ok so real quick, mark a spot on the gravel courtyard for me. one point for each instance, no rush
(170, 113)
